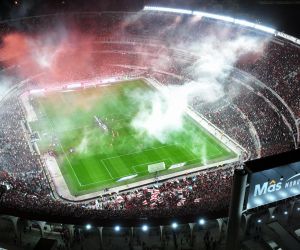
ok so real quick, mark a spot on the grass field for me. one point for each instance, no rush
(92, 156)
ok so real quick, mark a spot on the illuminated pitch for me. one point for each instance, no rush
(89, 131)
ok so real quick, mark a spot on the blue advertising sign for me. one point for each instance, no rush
(273, 184)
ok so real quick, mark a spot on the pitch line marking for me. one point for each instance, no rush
(107, 169)
(51, 123)
(70, 165)
(91, 183)
(142, 172)
(149, 149)
(135, 166)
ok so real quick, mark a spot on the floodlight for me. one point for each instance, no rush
(165, 9)
(88, 226)
(145, 228)
(117, 228)
(265, 29)
(174, 225)
(201, 222)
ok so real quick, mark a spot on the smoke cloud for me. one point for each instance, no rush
(60, 54)
(208, 74)
(67, 54)
(6, 82)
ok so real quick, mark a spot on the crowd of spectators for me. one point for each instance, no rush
(19, 168)
(279, 69)
(189, 191)
(244, 114)
(181, 197)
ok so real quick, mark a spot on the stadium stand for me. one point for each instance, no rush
(262, 118)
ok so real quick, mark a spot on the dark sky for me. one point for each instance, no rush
(284, 15)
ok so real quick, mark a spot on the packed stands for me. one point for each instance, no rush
(260, 117)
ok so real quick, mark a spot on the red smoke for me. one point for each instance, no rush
(14, 48)
(63, 57)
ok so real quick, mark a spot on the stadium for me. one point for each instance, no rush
(139, 118)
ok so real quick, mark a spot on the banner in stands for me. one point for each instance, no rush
(274, 184)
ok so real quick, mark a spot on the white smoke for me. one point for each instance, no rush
(209, 73)
(6, 83)
(44, 57)
(82, 148)
(159, 111)
(45, 48)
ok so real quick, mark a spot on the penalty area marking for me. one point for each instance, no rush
(107, 169)
(139, 165)
(136, 172)
(136, 152)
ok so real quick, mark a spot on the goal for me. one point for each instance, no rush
(156, 167)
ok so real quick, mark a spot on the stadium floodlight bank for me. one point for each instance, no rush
(226, 19)
(214, 16)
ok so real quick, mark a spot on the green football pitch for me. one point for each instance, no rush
(96, 147)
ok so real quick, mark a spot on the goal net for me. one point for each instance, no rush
(156, 167)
